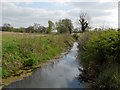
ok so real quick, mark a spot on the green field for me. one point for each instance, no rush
(22, 51)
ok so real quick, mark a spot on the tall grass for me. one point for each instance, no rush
(100, 57)
(26, 50)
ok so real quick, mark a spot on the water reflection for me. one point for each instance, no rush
(61, 73)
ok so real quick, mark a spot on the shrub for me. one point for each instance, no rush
(100, 51)
(29, 62)
(109, 77)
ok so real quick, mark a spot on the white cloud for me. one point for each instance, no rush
(100, 13)
(60, 1)
(19, 16)
(109, 1)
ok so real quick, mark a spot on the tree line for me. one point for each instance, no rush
(61, 26)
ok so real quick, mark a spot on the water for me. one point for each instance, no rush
(61, 73)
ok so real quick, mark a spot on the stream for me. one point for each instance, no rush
(62, 73)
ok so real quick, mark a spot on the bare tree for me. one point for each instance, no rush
(84, 21)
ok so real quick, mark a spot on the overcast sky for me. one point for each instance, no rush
(22, 14)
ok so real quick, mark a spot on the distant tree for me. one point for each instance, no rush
(21, 29)
(0, 28)
(60, 26)
(36, 26)
(30, 29)
(64, 26)
(7, 27)
(50, 26)
(84, 21)
(42, 29)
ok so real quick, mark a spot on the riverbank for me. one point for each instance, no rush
(62, 73)
(21, 74)
(23, 53)
(99, 55)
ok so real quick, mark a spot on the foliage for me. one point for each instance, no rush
(30, 29)
(29, 62)
(4, 72)
(7, 27)
(109, 78)
(99, 50)
(64, 26)
(50, 26)
(36, 28)
(27, 50)
(84, 21)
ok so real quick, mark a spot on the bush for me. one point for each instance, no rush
(100, 51)
(29, 62)
(109, 77)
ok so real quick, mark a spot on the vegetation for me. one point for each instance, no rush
(64, 26)
(99, 49)
(7, 27)
(84, 21)
(100, 57)
(27, 50)
(50, 26)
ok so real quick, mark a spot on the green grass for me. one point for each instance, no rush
(26, 50)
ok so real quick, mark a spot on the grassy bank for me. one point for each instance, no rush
(23, 51)
(100, 57)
